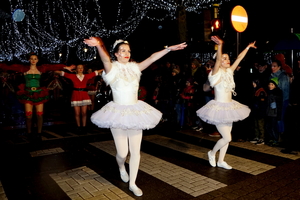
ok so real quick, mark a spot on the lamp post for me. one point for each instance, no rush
(216, 23)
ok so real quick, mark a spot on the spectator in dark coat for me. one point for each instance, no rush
(274, 111)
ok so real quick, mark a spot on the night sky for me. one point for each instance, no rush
(269, 20)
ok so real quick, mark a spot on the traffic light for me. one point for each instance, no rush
(216, 25)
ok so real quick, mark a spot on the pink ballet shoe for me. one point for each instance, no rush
(136, 191)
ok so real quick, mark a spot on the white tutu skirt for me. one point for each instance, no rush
(139, 116)
(215, 112)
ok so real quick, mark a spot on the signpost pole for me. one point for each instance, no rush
(238, 39)
(292, 52)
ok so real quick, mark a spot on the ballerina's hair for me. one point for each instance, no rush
(116, 45)
(32, 54)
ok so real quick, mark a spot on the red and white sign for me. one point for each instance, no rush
(239, 18)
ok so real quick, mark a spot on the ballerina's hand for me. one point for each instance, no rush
(70, 68)
(92, 41)
(217, 40)
(252, 45)
(178, 46)
(100, 71)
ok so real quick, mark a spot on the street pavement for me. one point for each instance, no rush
(66, 164)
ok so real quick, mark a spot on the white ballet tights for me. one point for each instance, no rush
(223, 143)
(132, 139)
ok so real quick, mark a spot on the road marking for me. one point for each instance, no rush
(84, 183)
(179, 177)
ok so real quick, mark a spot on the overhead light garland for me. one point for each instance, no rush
(52, 28)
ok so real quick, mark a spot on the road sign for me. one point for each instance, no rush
(239, 18)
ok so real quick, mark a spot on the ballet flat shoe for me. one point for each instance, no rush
(211, 159)
(136, 191)
(224, 165)
(124, 176)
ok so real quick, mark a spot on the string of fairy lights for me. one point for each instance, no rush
(53, 27)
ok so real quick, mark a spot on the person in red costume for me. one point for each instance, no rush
(32, 94)
(80, 98)
(92, 89)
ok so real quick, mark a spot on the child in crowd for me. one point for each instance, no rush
(258, 112)
(187, 103)
(274, 109)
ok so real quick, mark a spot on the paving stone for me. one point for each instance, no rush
(91, 187)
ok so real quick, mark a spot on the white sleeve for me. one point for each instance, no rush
(110, 76)
(214, 79)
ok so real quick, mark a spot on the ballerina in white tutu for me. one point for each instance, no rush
(222, 111)
(126, 116)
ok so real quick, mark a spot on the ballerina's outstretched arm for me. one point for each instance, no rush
(157, 55)
(242, 55)
(103, 53)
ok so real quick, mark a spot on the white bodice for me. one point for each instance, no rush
(124, 82)
(223, 84)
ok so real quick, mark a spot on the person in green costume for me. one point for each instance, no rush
(31, 94)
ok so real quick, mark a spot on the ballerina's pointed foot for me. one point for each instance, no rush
(224, 165)
(136, 191)
(124, 176)
(211, 159)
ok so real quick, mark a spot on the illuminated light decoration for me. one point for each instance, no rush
(51, 27)
(205, 56)
(216, 25)
(4, 15)
(85, 53)
(18, 15)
